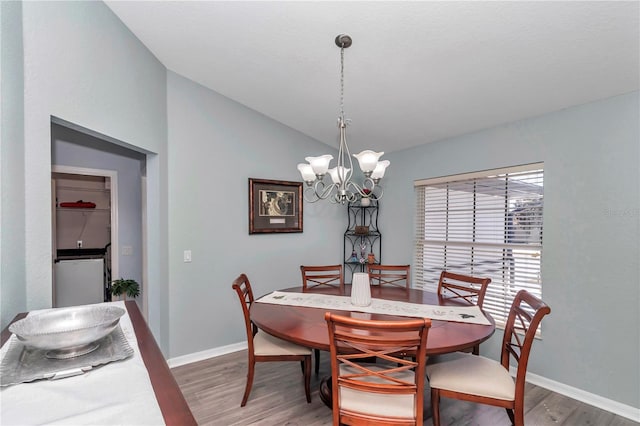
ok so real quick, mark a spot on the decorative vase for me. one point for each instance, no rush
(365, 201)
(360, 289)
(371, 258)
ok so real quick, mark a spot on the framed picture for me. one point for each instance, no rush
(274, 206)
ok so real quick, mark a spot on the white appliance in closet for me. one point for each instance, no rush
(79, 282)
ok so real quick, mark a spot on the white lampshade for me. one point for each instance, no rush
(320, 164)
(360, 289)
(368, 159)
(378, 173)
(306, 171)
(337, 172)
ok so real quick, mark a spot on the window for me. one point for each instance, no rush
(485, 224)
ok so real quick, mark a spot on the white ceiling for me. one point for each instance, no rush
(417, 71)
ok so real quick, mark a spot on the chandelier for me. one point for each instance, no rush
(343, 189)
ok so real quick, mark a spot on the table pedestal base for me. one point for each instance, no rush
(326, 394)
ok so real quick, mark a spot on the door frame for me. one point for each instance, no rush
(113, 180)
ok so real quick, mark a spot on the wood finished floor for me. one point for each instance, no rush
(214, 388)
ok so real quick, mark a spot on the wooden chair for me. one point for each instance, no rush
(321, 277)
(387, 392)
(265, 348)
(390, 275)
(465, 289)
(483, 380)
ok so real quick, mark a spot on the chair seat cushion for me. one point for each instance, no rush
(474, 375)
(266, 344)
(385, 405)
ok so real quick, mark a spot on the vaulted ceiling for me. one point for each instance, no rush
(417, 72)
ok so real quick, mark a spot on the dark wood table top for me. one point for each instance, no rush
(172, 404)
(307, 326)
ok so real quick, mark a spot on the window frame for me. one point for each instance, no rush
(517, 259)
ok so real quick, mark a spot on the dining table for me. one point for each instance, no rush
(154, 396)
(306, 326)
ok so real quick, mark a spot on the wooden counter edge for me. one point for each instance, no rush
(174, 407)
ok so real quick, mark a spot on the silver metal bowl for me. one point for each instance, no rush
(67, 332)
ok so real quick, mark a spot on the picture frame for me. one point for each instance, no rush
(275, 206)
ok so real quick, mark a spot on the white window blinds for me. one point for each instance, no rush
(485, 224)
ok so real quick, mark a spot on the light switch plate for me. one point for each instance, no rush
(187, 256)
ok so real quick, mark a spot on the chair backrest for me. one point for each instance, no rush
(322, 276)
(242, 286)
(463, 288)
(520, 329)
(399, 349)
(390, 275)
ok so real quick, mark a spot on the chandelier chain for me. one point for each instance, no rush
(342, 81)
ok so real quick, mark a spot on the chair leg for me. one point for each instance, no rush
(476, 350)
(307, 377)
(435, 406)
(247, 389)
(511, 417)
(317, 356)
(517, 416)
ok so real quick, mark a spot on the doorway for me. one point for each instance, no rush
(112, 166)
(85, 234)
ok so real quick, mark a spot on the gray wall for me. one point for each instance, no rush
(12, 268)
(83, 66)
(591, 253)
(215, 146)
(72, 148)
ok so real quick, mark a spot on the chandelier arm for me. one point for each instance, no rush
(310, 198)
(375, 191)
(322, 190)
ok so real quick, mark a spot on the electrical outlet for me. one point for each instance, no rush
(127, 250)
(79, 243)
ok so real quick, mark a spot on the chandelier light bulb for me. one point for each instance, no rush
(368, 160)
(320, 164)
(306, 171)
(378, 172)
(339, 174)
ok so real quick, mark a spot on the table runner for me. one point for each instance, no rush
(466, 314)
(115, 394)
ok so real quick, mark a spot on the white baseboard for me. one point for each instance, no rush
(209, 353)
(598, 401)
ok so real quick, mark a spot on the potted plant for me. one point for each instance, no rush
(127, 287)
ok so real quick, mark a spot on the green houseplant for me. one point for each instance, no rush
(127, 287)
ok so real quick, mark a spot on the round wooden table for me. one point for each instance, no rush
(307, 326)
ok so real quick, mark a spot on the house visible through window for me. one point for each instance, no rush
(485, 224)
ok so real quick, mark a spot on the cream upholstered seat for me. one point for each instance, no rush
(377, 404)
(474, 375)
(482, 380)
(387, 392)
(268, 345)
(264, 347)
